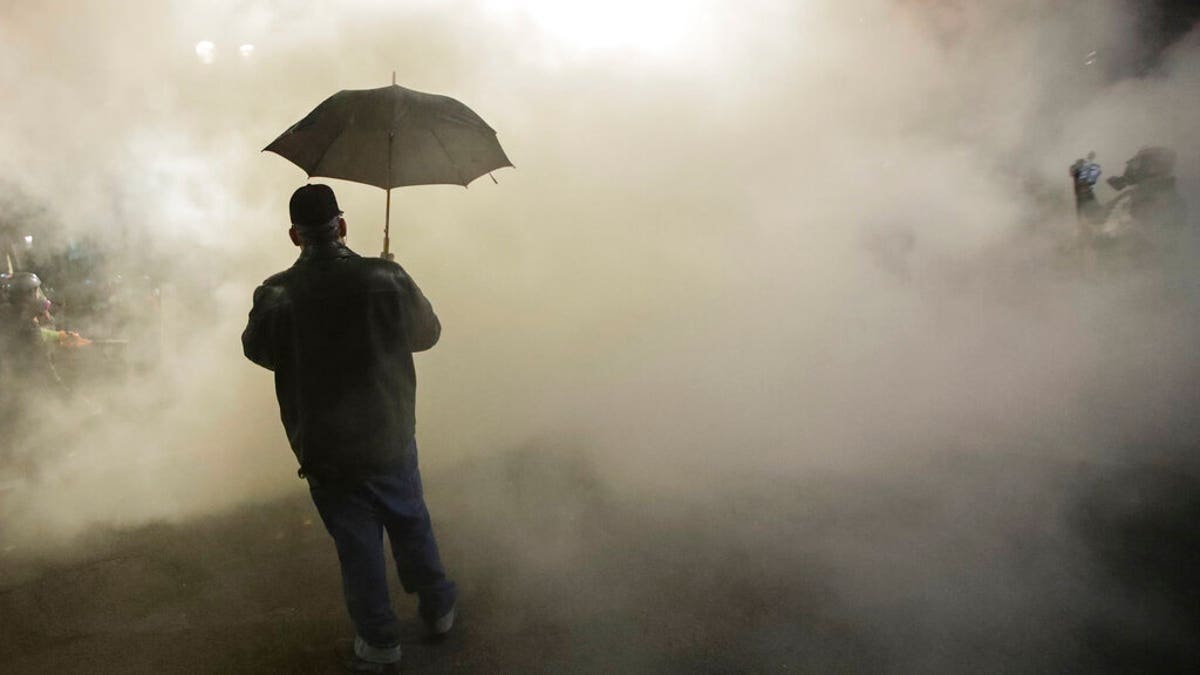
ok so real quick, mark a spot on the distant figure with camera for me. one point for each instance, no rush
(1084, 174)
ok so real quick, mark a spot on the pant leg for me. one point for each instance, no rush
(354, 523)
(414, 548)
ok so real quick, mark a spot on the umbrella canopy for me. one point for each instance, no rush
(390, 137)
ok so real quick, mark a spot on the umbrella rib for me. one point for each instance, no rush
(448, 156)
(324, 152)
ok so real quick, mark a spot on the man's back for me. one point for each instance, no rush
(339, 331)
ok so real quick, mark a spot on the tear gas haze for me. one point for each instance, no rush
(752, 254)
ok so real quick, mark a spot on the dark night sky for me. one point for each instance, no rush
(1162, 23)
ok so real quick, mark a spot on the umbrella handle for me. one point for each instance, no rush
(387, 225)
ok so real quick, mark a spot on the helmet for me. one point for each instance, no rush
(23, 290)
(1149, 163)
(1154, 162)
(22, 282)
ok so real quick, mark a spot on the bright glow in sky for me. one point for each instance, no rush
(205, 51)
(651, 27)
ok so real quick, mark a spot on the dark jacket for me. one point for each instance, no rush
(339, 331)
(25, 364)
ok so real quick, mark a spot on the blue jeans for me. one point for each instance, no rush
(356, 515)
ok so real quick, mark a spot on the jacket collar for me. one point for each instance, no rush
(324, 251)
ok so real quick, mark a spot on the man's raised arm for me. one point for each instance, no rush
(257, 340)
(421, 325)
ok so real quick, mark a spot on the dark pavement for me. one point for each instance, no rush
(953, 564)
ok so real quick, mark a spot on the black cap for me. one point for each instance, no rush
(313, 206)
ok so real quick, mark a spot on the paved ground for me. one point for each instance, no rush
(1089, 568)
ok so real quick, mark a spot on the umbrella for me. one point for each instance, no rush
(390, 137)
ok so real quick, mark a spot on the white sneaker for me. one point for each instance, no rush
(444, 623)
(377, 655)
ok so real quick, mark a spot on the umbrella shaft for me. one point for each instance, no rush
(387, 226)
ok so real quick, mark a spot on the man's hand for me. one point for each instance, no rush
(72, 339)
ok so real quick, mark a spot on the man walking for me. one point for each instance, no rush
(339, 330)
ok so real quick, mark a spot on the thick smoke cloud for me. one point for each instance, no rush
(799, 239)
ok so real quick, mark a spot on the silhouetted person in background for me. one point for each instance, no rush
(28, 377)
(339, 331)
(27, 335)
(1146, 221)
(1149, 184)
